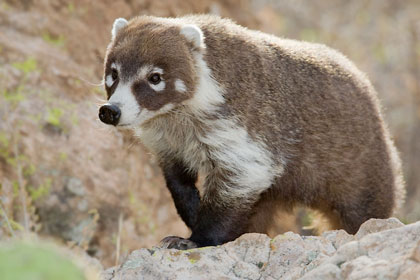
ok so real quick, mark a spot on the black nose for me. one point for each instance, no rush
(109, 114)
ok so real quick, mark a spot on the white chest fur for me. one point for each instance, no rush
(217, 144)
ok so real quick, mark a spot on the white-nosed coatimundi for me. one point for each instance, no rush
(268, 122)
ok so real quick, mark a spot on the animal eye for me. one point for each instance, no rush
(155, 78)
(114, 74)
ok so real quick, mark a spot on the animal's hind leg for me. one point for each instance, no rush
(263, 218)
(272, 216)
(340, 216)
(324, 220)
(350, 216)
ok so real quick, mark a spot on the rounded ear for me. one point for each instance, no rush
(193, 34)
(119, 23)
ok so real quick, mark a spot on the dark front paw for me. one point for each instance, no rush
(175, 242)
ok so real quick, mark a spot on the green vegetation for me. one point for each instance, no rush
(27, 66)
(307, 219)
(53, 116)
(63, 156)
(15, 96)
(4, 6)
(70, 7)
(25, 260)
(4, 145)
(57, 41)
(41, 191)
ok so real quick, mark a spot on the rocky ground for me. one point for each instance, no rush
(381, 249)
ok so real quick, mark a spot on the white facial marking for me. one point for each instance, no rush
(146, 115)
(158, 70)
(208, 94)
(193, 34)
(180, 86)
(144, 71)
(127, 103)
(119, 23)
(109, 81)
(159, 87)
(115, 66)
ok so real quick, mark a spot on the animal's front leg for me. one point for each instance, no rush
(218, 221)
(224, 213)
(225, 209)
(221, 221)
(181, 183)
(216, 224)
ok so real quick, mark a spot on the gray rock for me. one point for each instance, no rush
(375, 225)
(382, 249)
(75, 186)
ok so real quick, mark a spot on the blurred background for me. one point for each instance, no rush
(66, 176)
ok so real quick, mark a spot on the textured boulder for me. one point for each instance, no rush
(382, 249)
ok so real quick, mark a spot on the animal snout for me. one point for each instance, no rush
(109, 114)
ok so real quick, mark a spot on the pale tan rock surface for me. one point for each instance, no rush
(382, 249)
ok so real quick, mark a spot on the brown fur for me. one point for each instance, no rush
(315, 112)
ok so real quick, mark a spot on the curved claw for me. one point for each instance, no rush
(175, 242)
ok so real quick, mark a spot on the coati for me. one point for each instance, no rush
(268, 122)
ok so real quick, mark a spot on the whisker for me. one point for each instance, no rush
(133, 142)
(101, 83)
(99, 101)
